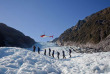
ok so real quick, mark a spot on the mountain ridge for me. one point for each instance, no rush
(89, 31)
(14, 38)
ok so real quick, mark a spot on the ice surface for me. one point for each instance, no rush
(23, 61)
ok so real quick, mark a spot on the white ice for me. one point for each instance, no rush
(15, 60)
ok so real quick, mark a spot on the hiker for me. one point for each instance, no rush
(70, 52)
(58, 54)
(34, 48)
(38, 50)
(45, 52)
(53, 53)
(72, 48)
(64, 55)
(49, 52)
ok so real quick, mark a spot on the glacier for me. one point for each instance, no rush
(14, 60)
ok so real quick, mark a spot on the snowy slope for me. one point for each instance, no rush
(23, 61)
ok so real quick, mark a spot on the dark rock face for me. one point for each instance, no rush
(55, 40)
(2, 43)
(14, 38)
(70, 34)
(90, 31)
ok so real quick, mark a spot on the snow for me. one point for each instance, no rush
(15, 60)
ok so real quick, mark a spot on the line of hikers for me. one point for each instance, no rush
(58, 53)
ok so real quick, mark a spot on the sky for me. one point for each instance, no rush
(49, 17)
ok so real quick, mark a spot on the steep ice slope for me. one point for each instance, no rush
(18, 61)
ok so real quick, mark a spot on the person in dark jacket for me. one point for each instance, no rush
(34, 48)
(72, 48)
(70, 52)
(38, 50)
(45, 52)
(58, 54)
(49, 52)
(64, 55)
(53, 53)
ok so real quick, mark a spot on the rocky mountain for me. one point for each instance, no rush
(54, 40)
(14, 38)
(89, 32)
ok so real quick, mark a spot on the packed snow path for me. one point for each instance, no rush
(22, 61)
